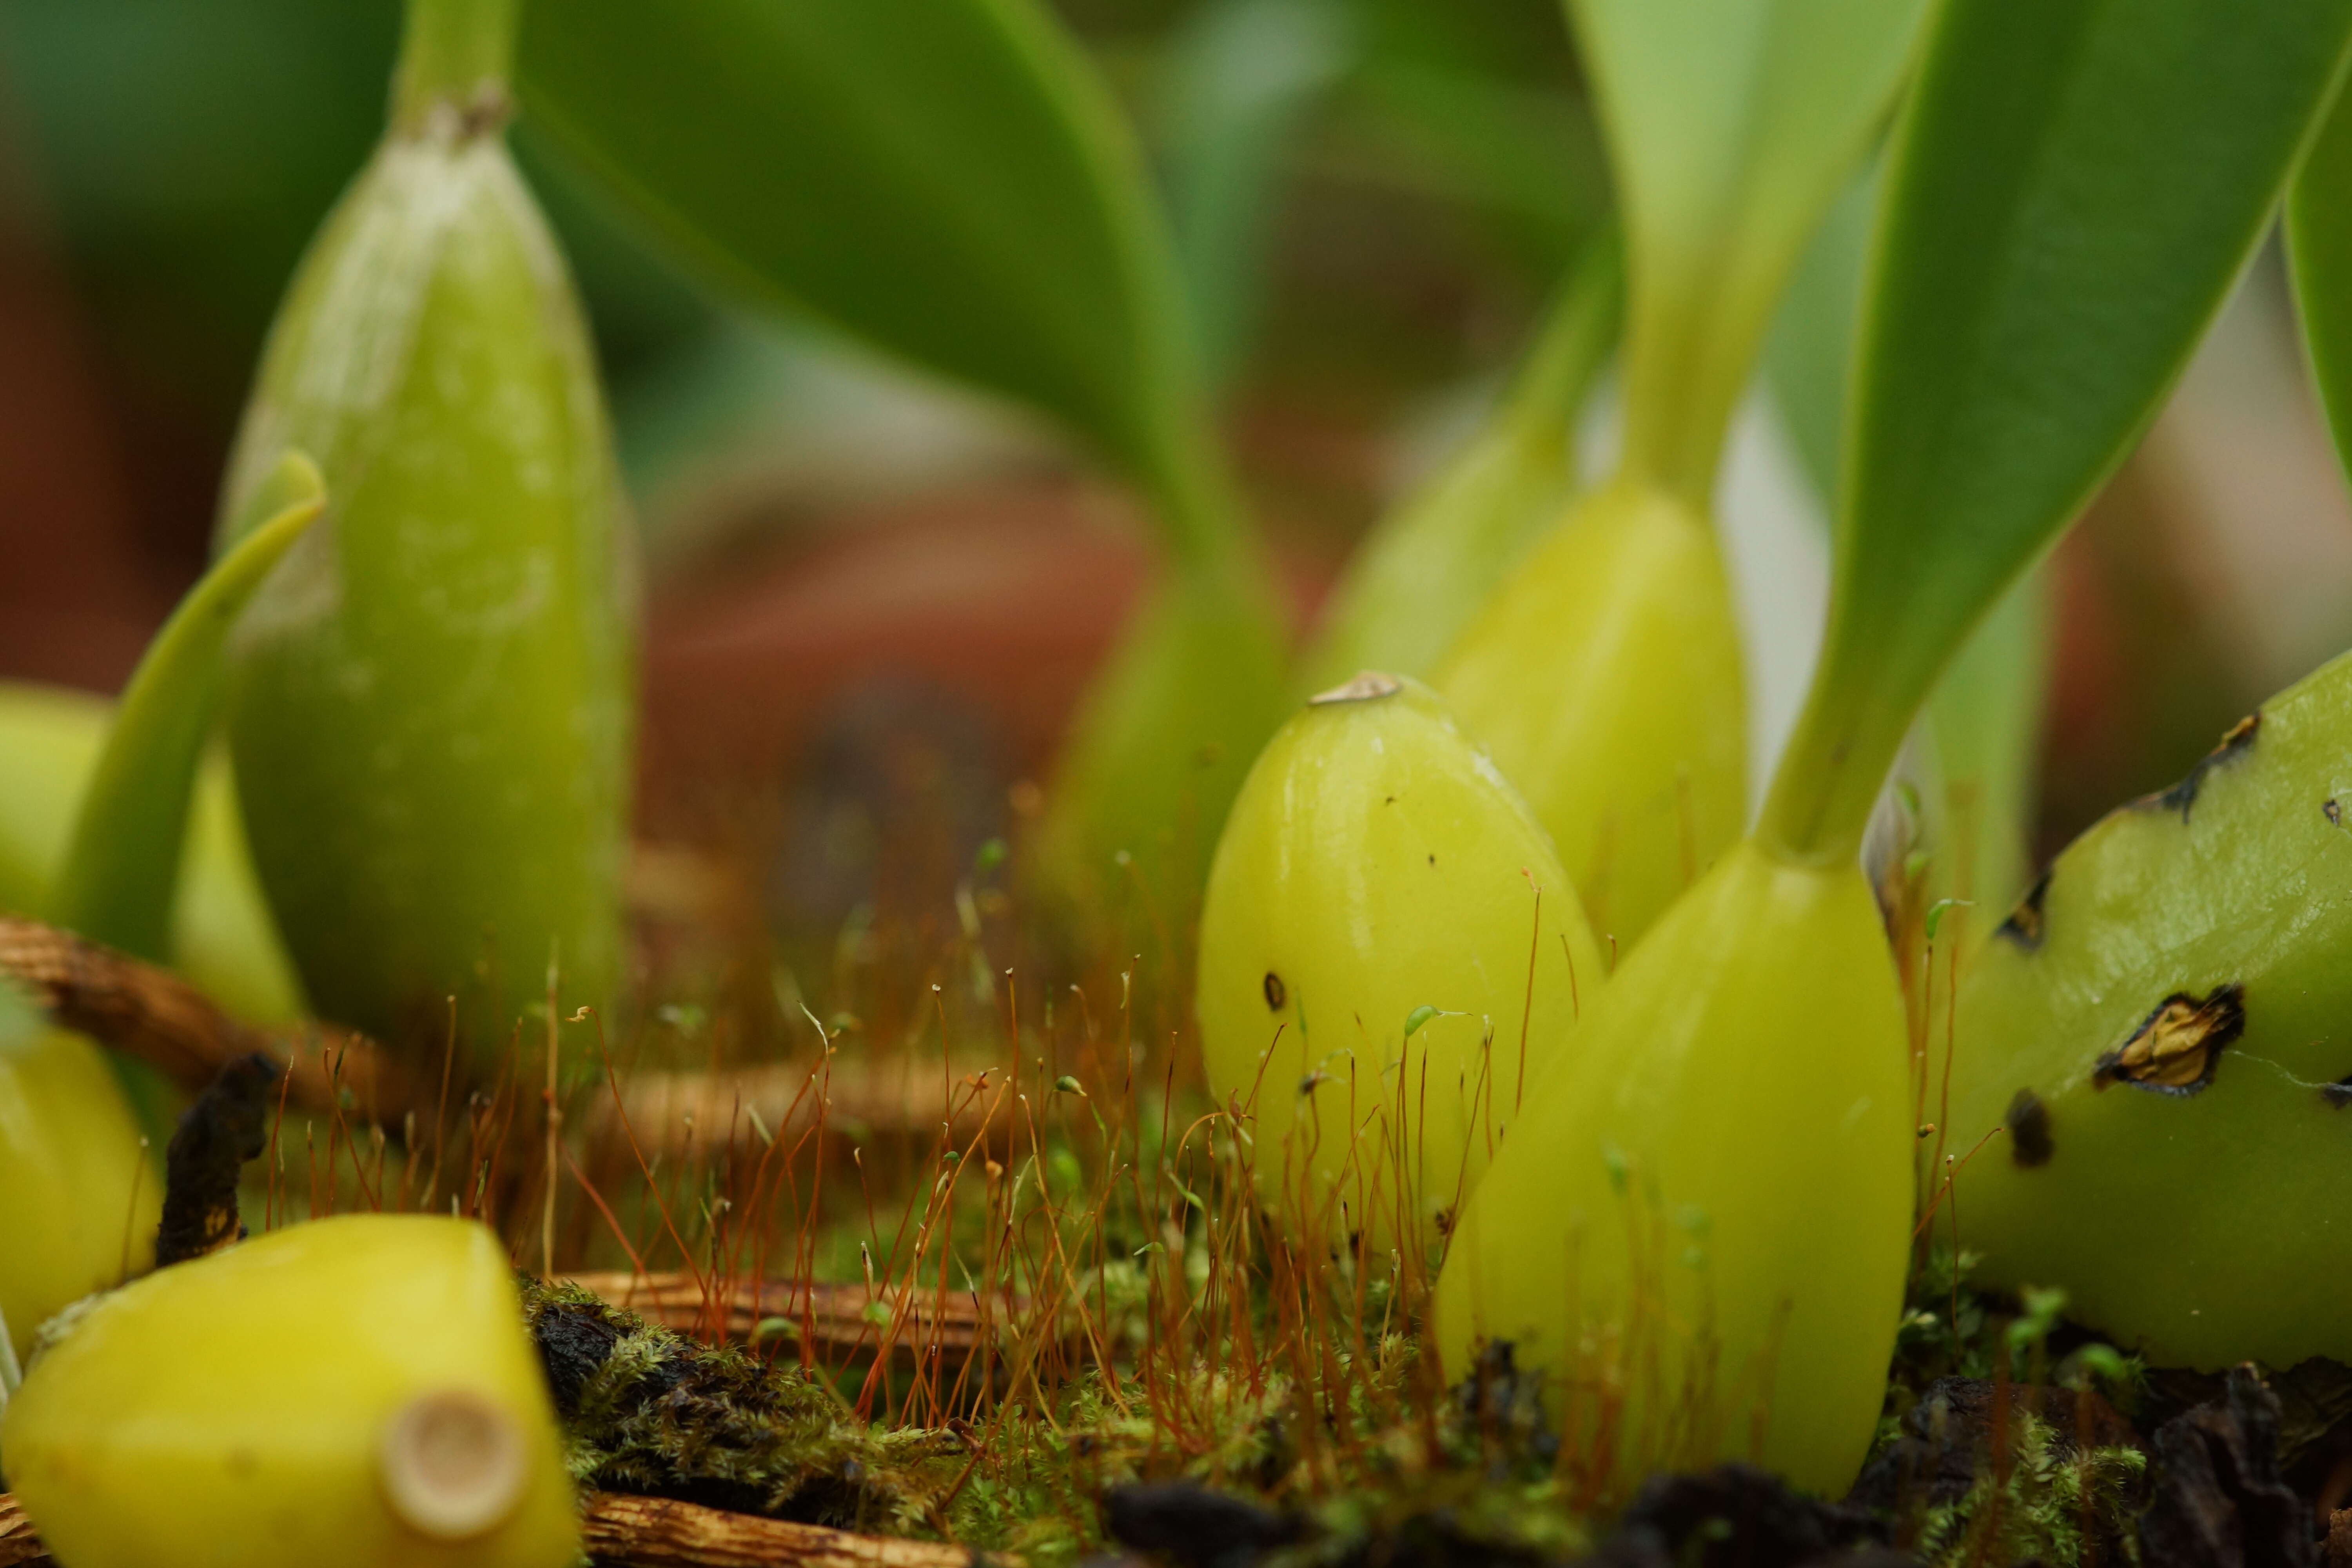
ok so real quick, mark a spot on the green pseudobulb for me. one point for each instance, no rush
(358, 1391)
(1638, 1237)
(79, 1196)
(1159, 744)
(430, 700)
(1390, 953)
(1604, 679)
(2163, 1028)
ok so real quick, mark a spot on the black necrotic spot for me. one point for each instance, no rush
(1276, 994)
(2023, 925)
(2029, 1129)
(2181, 797)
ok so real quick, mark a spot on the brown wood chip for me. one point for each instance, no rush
(655, 1532)
(153, 1014)
(20, 1546)
(839, 1319)
(895, 1095)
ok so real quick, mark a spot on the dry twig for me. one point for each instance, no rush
(835, 1319)
(660, 1532)
(20, 1546)
(155, 1015)
(655, 1533)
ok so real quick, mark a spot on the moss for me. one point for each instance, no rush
(2056, 1505)
(649, 1411)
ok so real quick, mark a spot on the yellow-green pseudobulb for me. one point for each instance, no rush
(79, 1196)
(1641, 1237)
(356, 1391)
(2164, 1029)
(1604, 679)
(430, 701)
(1381, 911)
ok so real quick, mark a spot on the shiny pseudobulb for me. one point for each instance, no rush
(1390, 953)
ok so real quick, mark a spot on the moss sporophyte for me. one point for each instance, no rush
(430, 702)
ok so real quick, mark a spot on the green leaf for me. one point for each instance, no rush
(1812, 345)
(1985, 714)
(945, 178)
(2319, 247)
(121, 874)
(1240, 79)
(2074, 187)
(1732, 124)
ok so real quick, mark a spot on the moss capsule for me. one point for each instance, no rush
(357, 1391)
(1371, 945)
(1701, 1248)
(1604, 679)
(430, 702)
(2158, 1036)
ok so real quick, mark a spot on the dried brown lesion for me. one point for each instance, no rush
(2023, 925)
(2028, 1121)
(2176, 1048)
(2181, 797)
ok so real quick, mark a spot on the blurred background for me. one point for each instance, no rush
(871, 596)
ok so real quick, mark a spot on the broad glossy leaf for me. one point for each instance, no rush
(1732, 125)
(122, 875)
(1985, 714)
(2074, 187)
(945, 178)
(2319, 244)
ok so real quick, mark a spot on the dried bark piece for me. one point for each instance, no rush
(2220, 1500)
(151, 1013)
(227, 1125)
(20, 1543)
(834, 1320)
(659, 1533)
(901, 1096)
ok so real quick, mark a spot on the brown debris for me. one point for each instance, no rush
(896, 1095)
(227, 1125)
(660, 1532)
(834, 1319)
(2176, 1048)
(2221, 1501)
(20, 1544)
(657, 1533)
(151, 1013)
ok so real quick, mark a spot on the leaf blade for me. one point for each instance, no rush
(2319, 253)
(947, 180)
(2074, 190)
(120, 875)
(1732, 127)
